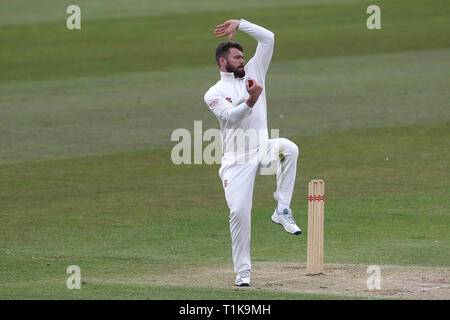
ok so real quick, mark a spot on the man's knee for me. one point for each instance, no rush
(290, 147)
(240, 215)
(239, 212)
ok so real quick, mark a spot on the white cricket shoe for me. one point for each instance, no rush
(243, 279)
(286, 219)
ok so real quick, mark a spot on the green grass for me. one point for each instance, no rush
(86, 118)
(114, 46)
(61, 118)
(21, 12)
(117, 216)
(96, 291)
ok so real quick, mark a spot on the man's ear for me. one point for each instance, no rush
(222, 61)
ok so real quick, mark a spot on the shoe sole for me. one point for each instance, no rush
(243, 285)
(294, 233)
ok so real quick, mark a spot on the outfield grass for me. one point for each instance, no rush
(119, 291)
(85, 124)
(60, 118)
(112, 46)
(117, 215)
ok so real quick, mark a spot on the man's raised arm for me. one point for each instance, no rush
(265, 38)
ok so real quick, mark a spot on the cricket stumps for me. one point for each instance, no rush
(316, 202)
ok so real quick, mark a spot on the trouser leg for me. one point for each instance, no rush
(238, 183)
(285, 152)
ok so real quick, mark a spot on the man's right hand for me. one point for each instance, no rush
(228, 27)
(254, 88)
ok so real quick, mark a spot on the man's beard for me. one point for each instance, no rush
(238, 72)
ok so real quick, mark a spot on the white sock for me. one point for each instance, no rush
(282, 206)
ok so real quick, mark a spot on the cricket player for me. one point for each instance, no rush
(238, 100)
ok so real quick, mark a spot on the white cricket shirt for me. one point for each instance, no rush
(241, 125)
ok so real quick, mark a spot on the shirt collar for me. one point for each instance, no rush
(227, 76)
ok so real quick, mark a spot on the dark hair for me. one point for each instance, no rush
(223, 48)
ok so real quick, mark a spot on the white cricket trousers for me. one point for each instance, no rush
(238, 178)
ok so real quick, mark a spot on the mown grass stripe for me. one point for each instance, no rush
(50, 51)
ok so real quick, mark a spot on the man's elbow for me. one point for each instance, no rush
(233, 118)
(270, 39)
